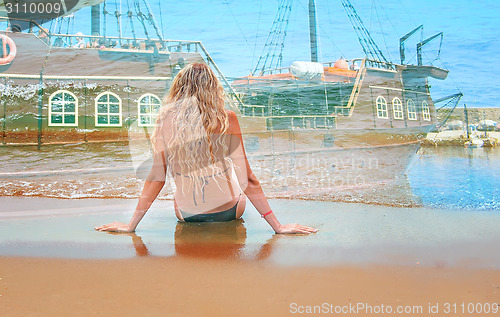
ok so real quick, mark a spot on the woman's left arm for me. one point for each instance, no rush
(152, 187)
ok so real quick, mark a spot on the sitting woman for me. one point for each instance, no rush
(80, 43)
(198, 142)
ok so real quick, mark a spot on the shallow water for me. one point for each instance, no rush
(349, 234)
(68, 171)
(444, 177)
(457, 178)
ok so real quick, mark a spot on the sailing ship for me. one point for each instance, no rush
(58, 87)
(363, 118)
(345, 130)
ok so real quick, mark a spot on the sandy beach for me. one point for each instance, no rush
(365, 259)
(193, 287)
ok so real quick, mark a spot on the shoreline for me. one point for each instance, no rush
(459, 138)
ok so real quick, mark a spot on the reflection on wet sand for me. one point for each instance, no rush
(211, 240)
(220, 240)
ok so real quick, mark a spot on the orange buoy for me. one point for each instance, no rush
(341, 63)
(7, 59)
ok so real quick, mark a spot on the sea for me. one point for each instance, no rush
(457, 178)
(235, 32)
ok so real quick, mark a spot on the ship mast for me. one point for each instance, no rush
(313, 31)
(95, 16)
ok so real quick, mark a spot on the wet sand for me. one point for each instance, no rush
(53, 264)
(188, 287)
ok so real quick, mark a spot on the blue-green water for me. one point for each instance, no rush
(457, 178)
(442, 178)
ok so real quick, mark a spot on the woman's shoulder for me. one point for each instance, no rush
(231, 114)
(234, 126)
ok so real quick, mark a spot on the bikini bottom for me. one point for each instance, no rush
(220, 216)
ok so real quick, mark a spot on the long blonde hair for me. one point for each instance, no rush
(195, 108)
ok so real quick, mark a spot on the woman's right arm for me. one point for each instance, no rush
(152, 187)
(251, 185)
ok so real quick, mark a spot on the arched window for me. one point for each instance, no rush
(412, 110)
(426, 112)
(397, 108)
(108, 110)
(148, 108)
(381, 107)
(63, 109)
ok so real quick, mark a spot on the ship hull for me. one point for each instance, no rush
(356, 165)
(349, 139)
(374, 175)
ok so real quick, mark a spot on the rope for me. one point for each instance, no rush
(381, 31)
(127, 21)
(239, 27)
(118, 27)
(161, 18)
(437, 54)
(387, 18)
(151, 19)
(140, 16)
(104, 13)
(456, 100)
(60, 24)
(292, 41)
(275, 40)
(256, 35)
(51, 24)
(72, 27)
(456, 84)
(130, 15)
(407, 13)
(330, 22)
(367, 43)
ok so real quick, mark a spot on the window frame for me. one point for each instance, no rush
(150, 114)
(379, 111)
(426, 111)
(400, 110)
(51, 112)
(413, 113)
(120, 110)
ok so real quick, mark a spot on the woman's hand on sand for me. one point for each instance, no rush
(115, 226)
(295, 228)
